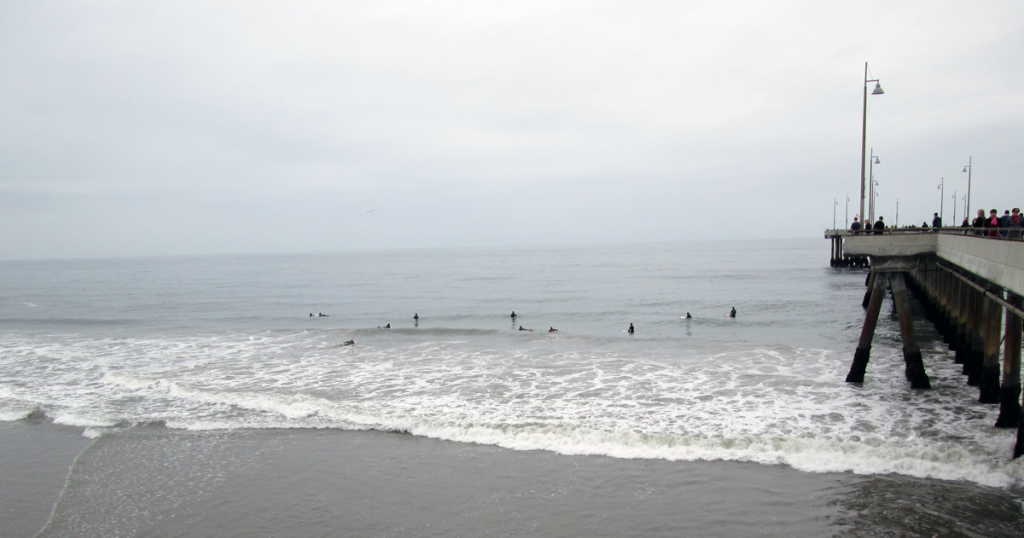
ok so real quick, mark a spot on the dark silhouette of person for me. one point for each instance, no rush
(348, 343)
(688, 316)
(416, 317)
(552, 330)
(388, 326)
(310, 314)
(513, 314)
(631, 330)
(879, 226)
(733, 313)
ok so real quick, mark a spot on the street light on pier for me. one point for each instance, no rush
(942, 195)
(871, 188)
(967, 208)
(954, 207)
(864, 132)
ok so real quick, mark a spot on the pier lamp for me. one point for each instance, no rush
(942, 195)
(967, 208)
(864, 132)
(871, 185)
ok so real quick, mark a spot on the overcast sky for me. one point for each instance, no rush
(151, 128)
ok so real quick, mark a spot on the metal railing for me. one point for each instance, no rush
(1002, 234)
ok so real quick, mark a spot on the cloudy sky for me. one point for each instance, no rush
(151, 128)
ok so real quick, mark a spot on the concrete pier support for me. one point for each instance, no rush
(867, 333)
(911, 352)
(1009, 392)
(870, 284)
(988, 379)
(948, 329)
(954, 312)
(962, 339)
(976, 324)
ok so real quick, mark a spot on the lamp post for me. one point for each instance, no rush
(864, 132)
(942, 195)
(954, 207)
(871, 185)
(835, 207)
(847, 212)
(968, 169)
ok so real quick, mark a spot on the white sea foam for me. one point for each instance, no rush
(769, 405)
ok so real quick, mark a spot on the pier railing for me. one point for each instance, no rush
(1006, 234)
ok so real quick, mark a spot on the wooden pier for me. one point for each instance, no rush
(970, 287)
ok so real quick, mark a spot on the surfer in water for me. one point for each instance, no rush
(349, 343)
(513, 314)
(522, 329)
(688, 316)
(552, 330)
(416, 317)
(733, 313)
(631, 330)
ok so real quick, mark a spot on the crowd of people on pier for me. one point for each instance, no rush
(1008, 225)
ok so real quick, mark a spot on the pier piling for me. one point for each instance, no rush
(1009, 392)
(988, 378)
(867, 333)
(911, 352)
(976, 349)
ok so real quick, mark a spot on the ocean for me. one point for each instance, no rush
(196, 396)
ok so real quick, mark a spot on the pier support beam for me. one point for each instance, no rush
(911, 352)
(1009, 392)
(989, 374)
(976, 324)
(867, 334)
(871, 285)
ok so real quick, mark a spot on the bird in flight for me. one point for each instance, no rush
(371, 211)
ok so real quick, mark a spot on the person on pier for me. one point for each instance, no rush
(979, 222)
(879, 226)
(936, 221)
(992, 222)
(855, 227)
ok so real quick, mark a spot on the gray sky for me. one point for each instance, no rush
(139, 128)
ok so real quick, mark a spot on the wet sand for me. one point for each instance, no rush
(152, 481)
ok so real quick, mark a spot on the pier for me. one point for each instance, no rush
(969, 286)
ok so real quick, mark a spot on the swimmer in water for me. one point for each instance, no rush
(688, 316)
(310, 314)
(733, 313)
(513, 314)
(416, 317)
(630, 331)
(348, 343)
(522, 329)
(388, 326)
(552, 330)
